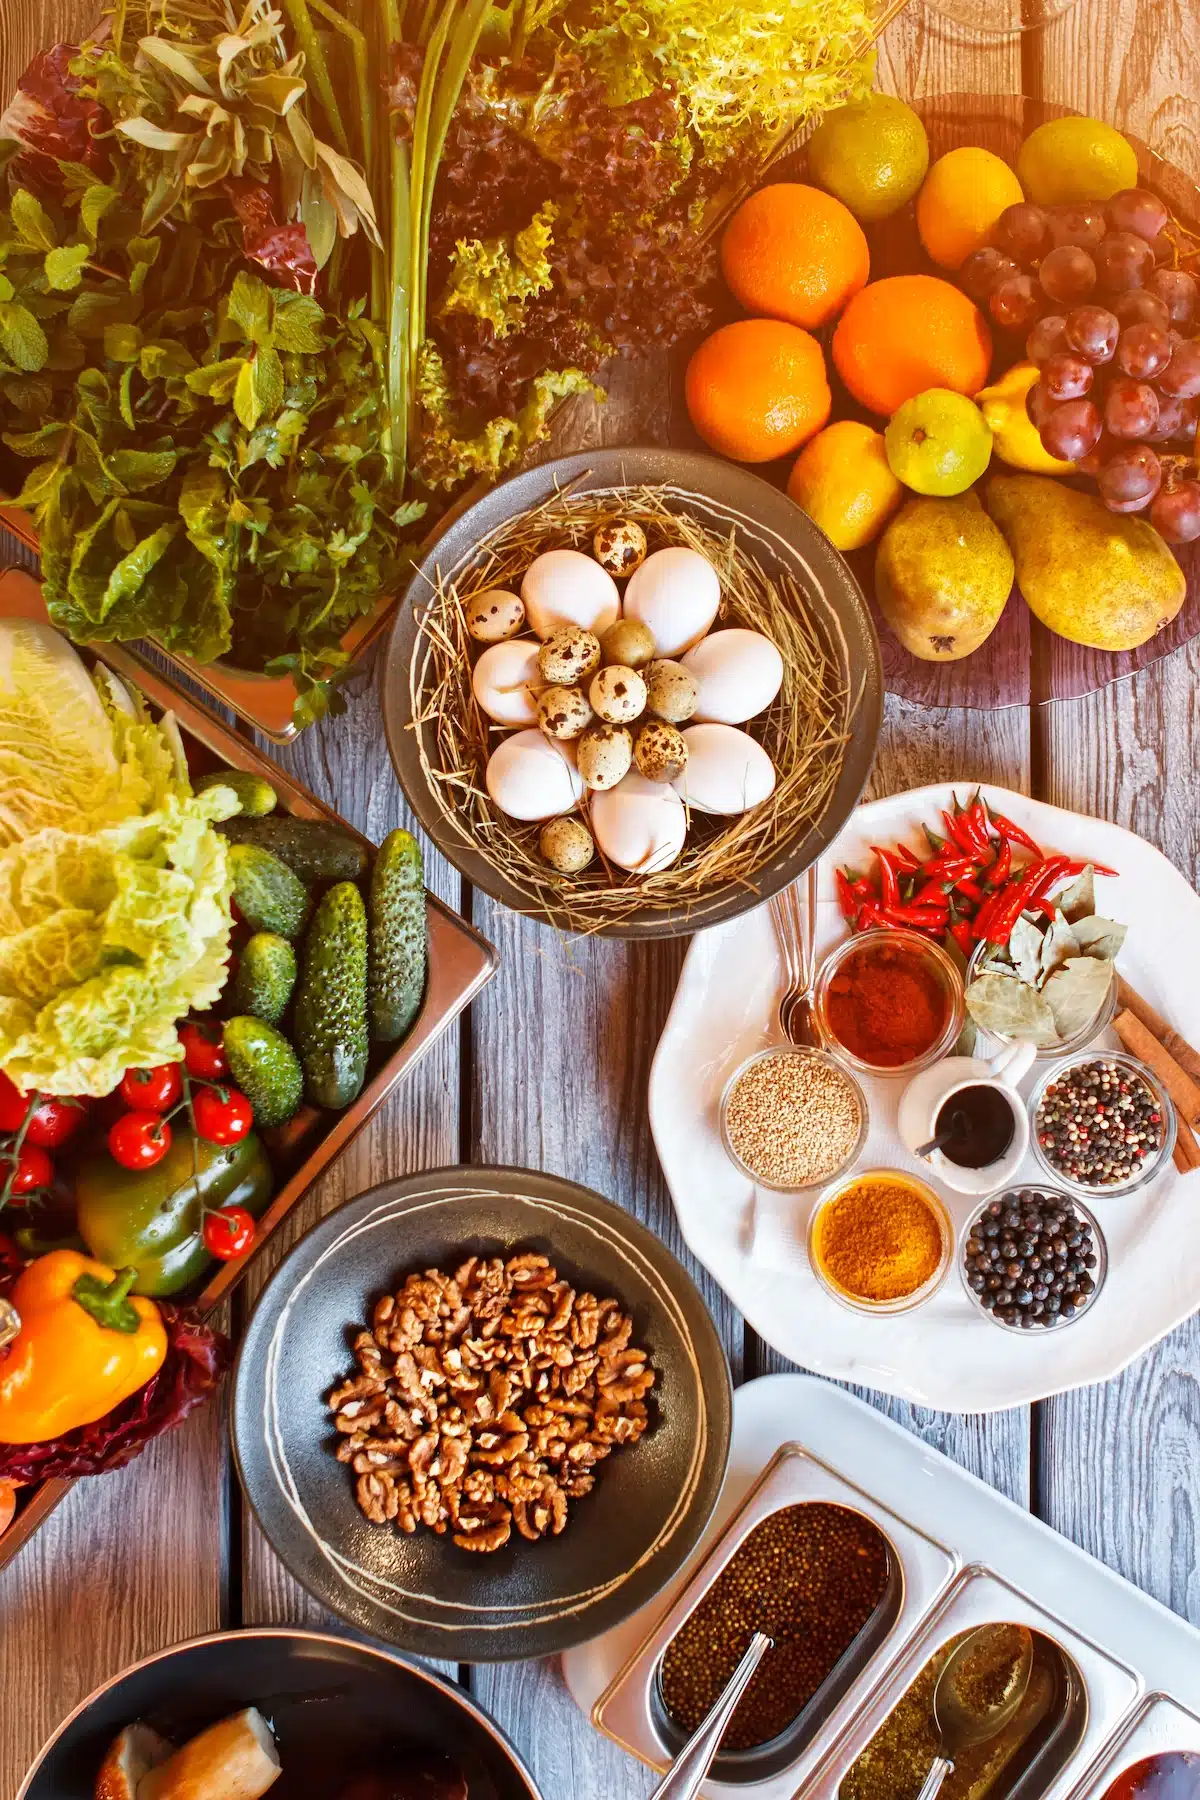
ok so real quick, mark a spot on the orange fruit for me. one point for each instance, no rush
(793, 252)
(964, 194)
(908, 333)
(757, 389)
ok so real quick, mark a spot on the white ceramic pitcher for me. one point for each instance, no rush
(928, 1092)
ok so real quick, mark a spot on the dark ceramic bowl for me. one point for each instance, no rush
(622, 1542)
(720, 496)
(335, 1707)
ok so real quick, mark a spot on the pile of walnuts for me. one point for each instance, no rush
(486, 1398)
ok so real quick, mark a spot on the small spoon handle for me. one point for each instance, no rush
(939, 1768)
(682, 1780)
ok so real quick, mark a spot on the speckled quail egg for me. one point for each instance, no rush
(566, 844)
(727, 771)
(620, 546)
(565, 587)
(494, 615)
(563, 712)
(676, 594)
(531, 777)
(639, 825)
(738, 674)
(628, 642)
(506, 681)
(659, 750)
(569, 655)
(618, 694)
(670, 691)
(604, 755)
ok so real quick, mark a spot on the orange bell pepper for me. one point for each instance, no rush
(83, 1346)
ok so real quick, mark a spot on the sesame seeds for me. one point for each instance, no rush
(792, 1118)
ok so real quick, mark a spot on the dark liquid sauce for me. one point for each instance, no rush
(980, 1120)
(1173, 1776)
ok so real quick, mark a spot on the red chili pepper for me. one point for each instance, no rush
(932, 894)
(862, 889)
(889, 882)
(1014, 834)
(981, 923)
(869, 916)
(1031, 886)
(1000, 870)
(936, 844)
(960, 931)
(970, 889)
(949, 868)
(845, 894)
(915, 918)
(907, 859)
(959, 833)
(1076, 866)
(980, 823)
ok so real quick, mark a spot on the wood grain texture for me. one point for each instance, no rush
(1118, 1471)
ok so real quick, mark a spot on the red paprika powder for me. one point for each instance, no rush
(886, 1003)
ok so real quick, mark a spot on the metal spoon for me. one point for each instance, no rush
(802, 1027)
(958, 1123)
(682, 1780)
(958, 1728)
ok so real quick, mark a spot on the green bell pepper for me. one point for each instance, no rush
(151, 1220)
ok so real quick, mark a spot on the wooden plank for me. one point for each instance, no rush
(1118, 1469)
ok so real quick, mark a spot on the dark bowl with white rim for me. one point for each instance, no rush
(722, 497)
(338, 1708)
(422, 1593)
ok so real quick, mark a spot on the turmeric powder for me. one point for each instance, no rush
(878, 1239)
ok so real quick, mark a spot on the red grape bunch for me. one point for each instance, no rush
(1112, 328)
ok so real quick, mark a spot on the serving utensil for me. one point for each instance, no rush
(958, 1726)
(794, 918)
(682, 1780)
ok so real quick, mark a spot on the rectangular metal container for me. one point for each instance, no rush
(460, 964)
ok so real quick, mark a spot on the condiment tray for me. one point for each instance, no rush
(968, 1556)
(944, 1354)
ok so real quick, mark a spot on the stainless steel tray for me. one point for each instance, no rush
(460, 964)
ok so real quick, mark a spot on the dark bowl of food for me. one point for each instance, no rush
(300, 1714)
(482, 1414)
(633, 692)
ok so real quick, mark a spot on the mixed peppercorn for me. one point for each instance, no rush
(1098, 1123)
(1031, 1258)
(969, 888)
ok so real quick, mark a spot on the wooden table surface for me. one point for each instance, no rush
(550, 1070)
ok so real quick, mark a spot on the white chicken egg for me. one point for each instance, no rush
(738, 674)
(727, 771)
(531, 776)
(507, 681)
(675, 594)
(565, 587)
(639, 825)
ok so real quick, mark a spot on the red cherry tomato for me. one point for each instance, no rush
(152, 1090)
(34, 1170)
(138, 1140)
(54, 1119)
(13, 1106)
(222, 1115)
(203, 1054)
(229, 1232)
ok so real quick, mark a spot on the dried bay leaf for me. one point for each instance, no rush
(1025, 950)
(1101, 938)
(1076, 992)
(1058, 943)
(1079, 899)
(1010, 1008)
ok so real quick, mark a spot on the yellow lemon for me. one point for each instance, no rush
(843, 482)
(872, 154)
(964, 194)
(1068, 161)
(1015, 438)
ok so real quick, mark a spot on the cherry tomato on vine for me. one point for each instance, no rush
(54, 1119)
(152, 1090)
(34, 1170)
(222, 1114)
(203, 1053)
(138, 1140)
(228, 1232)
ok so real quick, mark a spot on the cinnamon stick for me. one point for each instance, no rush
(1176, 1046)
(1186, 1156)
(1142, 1042)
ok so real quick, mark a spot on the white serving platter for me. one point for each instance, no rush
(945, 1354)
(1140, 1663)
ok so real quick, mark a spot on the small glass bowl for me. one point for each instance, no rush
(1150, 1168)
(1099, 1273)
(821, 1056)
(906, 1302)
(1088, 1034)
(935, 957)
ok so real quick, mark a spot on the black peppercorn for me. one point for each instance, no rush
(1045, 1279)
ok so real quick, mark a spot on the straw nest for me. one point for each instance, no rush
(805, 731)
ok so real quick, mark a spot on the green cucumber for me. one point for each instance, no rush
(330, 1016)
(269, 896)
(265, 977)
(266, 1068)
(312, 849)
(396, 980)
(255, 794)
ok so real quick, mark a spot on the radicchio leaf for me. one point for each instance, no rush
(53, 121)
(283, 250)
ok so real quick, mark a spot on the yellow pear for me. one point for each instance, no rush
(942, 575)
(1103, 579)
